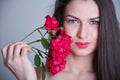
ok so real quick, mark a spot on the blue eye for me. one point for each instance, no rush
(73, 21)
(94, 22)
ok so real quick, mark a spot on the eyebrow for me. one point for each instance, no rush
(72, 16)
(78, 18)
(94, 18)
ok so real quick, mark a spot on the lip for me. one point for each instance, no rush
(82, 45)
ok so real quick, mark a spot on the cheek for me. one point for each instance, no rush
(70, 30)
(95, 34)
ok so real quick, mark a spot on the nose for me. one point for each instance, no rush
(82, 32)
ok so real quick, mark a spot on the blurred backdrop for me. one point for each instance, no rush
(20, 17)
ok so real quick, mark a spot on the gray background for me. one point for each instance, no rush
(20, 17)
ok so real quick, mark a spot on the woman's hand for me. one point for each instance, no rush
(15, 58)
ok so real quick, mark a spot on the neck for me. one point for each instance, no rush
(79, 64)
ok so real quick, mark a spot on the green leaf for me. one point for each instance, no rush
(45, 43)
(43, 71)
(32, 42)
(40, 33)
(37, 60)
(40, 53)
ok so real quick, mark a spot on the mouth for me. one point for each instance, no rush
(82, 45)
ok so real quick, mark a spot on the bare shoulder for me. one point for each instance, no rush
(38, 72)
(59, 76)
(64, 75)
(49, 76)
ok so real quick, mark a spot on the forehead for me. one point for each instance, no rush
(82, 9)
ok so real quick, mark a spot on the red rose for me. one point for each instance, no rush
(60, 45)
(56, 65)
(51, 24)
(60, 48)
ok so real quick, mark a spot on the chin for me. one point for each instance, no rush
(81, 52)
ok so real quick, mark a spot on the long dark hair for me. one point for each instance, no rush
(106, 60)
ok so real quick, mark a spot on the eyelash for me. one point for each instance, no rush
(94, 22)
(73, 21)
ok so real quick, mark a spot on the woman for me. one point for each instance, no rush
(94, 53)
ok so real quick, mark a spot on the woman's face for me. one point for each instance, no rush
(81, 22)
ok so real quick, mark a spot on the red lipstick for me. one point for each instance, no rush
(82, 44)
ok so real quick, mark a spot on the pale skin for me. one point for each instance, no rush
(81, 22)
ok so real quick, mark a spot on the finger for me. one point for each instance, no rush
(18, 48)
(4, 51)
(11, 50)
(25, 50)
